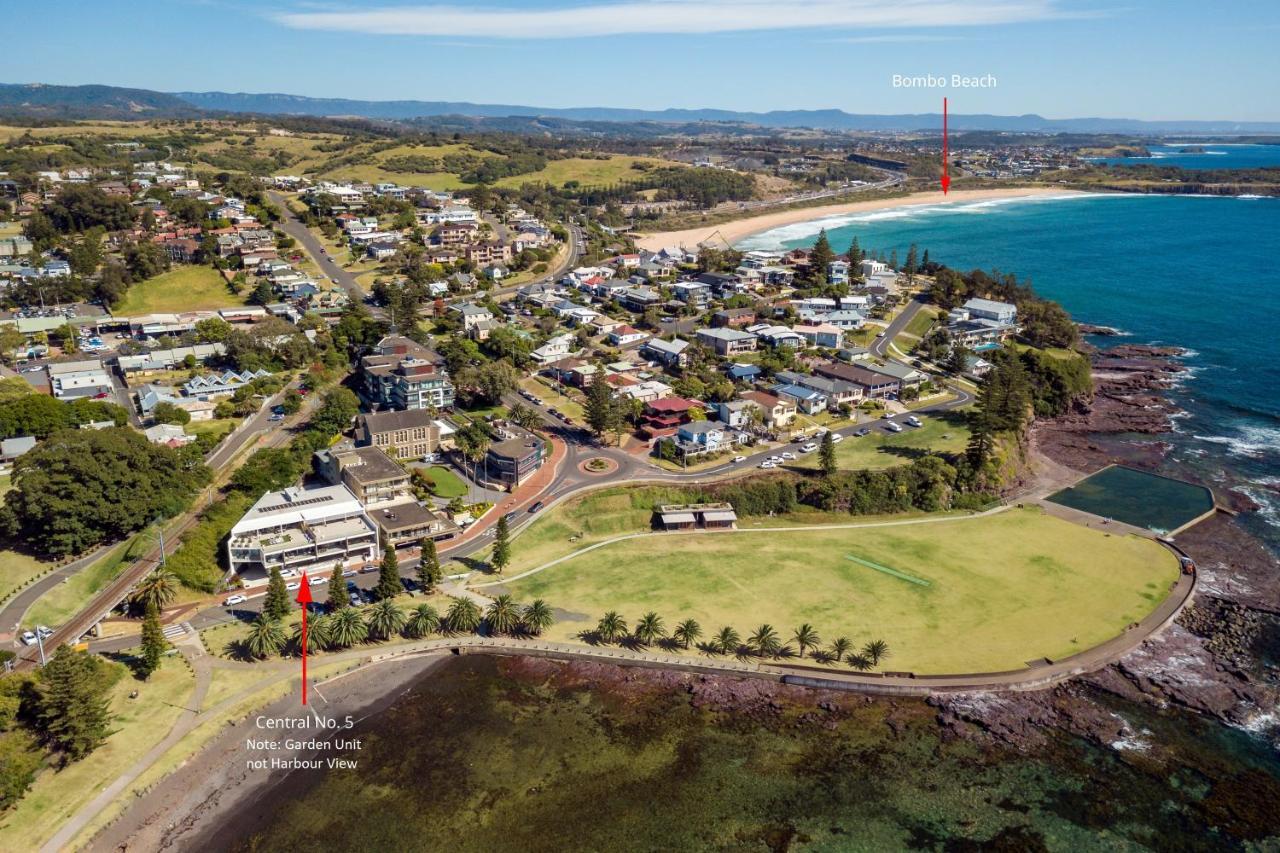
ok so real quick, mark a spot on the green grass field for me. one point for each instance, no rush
(1003, 589)
(885, 450)
(184, 288)
(17, 568)
(136, 725)
(65, 599)
(921, 323)
(448, 484)
(585, 171)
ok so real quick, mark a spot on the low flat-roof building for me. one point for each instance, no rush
(715, 516)
(70, 380)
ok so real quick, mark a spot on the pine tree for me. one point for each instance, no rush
(338, 597)
(981, 443)
(429, 572)
(276, 604)
(855, 252)
(912, 265)
(389, 575)
(601, 411)
(153, 642)
(893, 259)
(501, 546)
(827, 455)
(819, 257)
(924, 261)
(72, 704)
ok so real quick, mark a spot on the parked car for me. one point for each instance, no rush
(347, 573)
(293, 586)
(837, 438)
(232, 600)
(28, 638)
(276, 418)
(808, 448)
(738, 459)
(318, 580)
(863, 432)
(44, 632)
(913, 421)
(354, 599)
(768, 464)
(787, 454)
(368, 567)
(892, 427)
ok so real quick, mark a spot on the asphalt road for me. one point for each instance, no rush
(115, 592)
(292, 225)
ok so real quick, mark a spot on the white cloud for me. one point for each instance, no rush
(891, 39)
(688, 17)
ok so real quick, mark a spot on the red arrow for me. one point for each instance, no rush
(946, 178)
(304, 598)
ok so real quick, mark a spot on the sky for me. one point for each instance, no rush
(1147, 59)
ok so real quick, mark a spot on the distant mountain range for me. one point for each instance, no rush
(40, 100)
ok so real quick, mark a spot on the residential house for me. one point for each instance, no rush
(626, 335)
(821, 335)
(667, 353)
(778, 412)
(873, 384)
(733, 317)
(806, 400)
(726, 342)
(554, 349)
(403, 374)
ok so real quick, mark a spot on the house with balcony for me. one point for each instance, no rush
(403, 374)
(726, 341)
(778, 412)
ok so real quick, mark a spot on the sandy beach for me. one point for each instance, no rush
(731, 232)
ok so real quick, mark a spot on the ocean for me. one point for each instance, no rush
(1211, 156)
(1197, 272)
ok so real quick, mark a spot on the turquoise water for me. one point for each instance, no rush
(1213, 156)
(1137, 497)
(1198, 272)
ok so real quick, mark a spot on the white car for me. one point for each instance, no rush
(837, 438)
(28, 638)
(231, 600)
(913, 421)
(738, 459)
(316, 581)
(293, 586)
(45, 633)
(774, 459)
(809, 448)
(892, 427)
(768, 464)
(788, 455)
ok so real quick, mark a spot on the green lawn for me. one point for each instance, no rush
(17, 568)
(921, 323)
(942, 434)
(65, 599)
(136, 725)
(184, 288)
(588, 172)
(448, 484)
(1003, 589)
(217, 427)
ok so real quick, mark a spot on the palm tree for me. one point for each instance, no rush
(319, 634)
(649, 629)
(347, 628)
(385, 619)
(524, 416)
(765, 640)
(875, 651)
(840, 647)
(503, 615)
(859, 661)
(687, 633)
(266, 637)
(727, 640)
(158, 588)
(611, 627)
(536, 617)
(463, 616)
(422, 621)
(806, 638)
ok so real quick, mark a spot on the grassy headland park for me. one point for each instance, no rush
(998, 590)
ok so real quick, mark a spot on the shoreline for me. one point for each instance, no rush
(739, 229)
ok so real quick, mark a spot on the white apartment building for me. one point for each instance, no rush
(301, 529)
